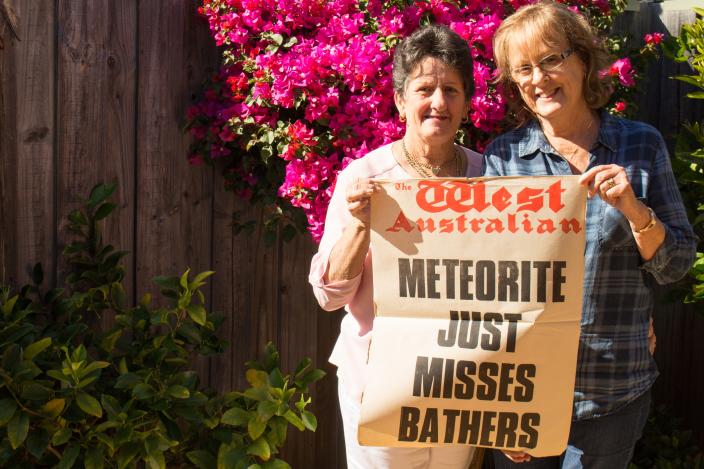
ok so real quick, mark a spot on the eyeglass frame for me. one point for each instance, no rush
(516, 76)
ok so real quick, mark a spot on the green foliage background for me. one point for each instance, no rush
(73, 395)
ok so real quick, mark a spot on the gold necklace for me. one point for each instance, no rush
(428, 170)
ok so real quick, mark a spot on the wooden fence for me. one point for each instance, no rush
(97, 91)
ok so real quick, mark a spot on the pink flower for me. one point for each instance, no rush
(653, 38)
(622, 69)
(318, 74)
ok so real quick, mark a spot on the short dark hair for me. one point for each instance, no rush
(439, 42)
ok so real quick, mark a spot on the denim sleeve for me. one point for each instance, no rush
(493, 163)
(675, 256)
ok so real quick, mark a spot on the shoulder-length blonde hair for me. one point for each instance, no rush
(551, 23)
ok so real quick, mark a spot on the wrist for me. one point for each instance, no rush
(651, 221)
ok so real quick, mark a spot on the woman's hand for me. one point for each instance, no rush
(611, 183)
(347, 256)
(652, 340)
(516, 456)
(358, 195)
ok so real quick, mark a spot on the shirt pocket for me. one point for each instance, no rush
(614, 229)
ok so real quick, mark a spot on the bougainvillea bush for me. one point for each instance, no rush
(305, 88)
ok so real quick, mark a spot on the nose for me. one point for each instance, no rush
(438, 99)
(537, 74)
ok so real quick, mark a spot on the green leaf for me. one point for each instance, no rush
(54, 407)
(108, 342)
(33, 349)
(202, 276)
(97, 365)
(61, 436)
(89, 404)
(143, 391)
(127, 453)
(69, 457)
(100, 193)
(7, 410)
(127, 380)
(236, 417)
(104, 210)
(94, 458)
(77, 217)
(260, 447)
(155, 460)
(178, 391)
(37, 442)
(197, 314)
(278, 39)
(183, 281)
(294, 420)
(202, 459)
(34, 391)
(56, 374)
(257, 378)
(311, 377)
(276, 464)
(309, 420)
(169, 283)
(17, 429)
(255, 428)
(266, 409)
(230, 456)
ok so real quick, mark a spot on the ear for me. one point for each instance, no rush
(400, 103)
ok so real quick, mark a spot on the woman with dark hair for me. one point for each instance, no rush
(432, 76)
(549, 60)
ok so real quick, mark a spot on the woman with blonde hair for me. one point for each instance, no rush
(549, 59)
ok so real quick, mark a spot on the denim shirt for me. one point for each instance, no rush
(614, 366)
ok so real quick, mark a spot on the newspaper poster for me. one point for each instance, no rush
(478, 297)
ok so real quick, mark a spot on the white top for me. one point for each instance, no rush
(356, 295)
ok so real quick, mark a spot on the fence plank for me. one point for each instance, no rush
(27, 151)
(96, 111)
(174, 202)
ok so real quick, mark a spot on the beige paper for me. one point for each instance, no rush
(478, 293)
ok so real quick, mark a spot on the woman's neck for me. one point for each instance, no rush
(429, 152)
(579, 127)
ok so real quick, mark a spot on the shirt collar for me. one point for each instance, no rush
(534, 139)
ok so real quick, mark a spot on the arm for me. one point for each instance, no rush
(336, 268)
(667, 248)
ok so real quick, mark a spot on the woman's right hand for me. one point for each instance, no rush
(517, 456)
(358, 195)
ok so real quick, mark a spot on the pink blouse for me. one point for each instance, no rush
(356, 295)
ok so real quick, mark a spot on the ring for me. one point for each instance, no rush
(611, 183)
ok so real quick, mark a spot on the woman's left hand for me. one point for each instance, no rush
(611, 183)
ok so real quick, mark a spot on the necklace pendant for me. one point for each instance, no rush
(435, 170)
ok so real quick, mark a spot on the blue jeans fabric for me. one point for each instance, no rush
(600, 443)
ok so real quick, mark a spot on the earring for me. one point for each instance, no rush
(402, 117)
(465, 119)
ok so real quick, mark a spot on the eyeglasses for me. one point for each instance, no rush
(550, 63)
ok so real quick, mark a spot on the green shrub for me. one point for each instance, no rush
(72, 395)
(688, 161)
(665, 445)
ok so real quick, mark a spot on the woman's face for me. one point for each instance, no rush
(553, 95)
(434, 102)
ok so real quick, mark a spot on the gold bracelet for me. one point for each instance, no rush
(653, 221)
